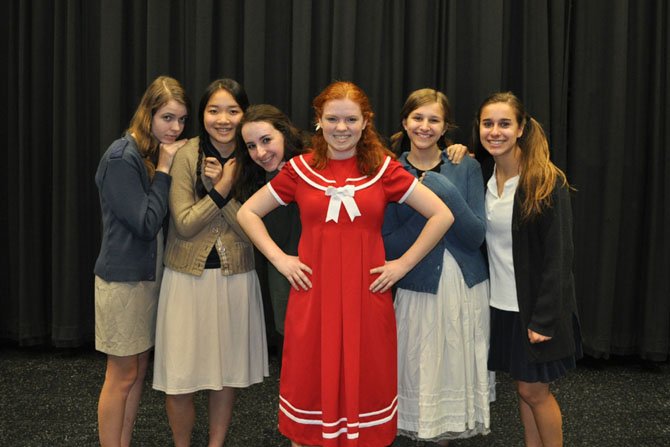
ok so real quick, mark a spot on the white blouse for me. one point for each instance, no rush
(499, 243)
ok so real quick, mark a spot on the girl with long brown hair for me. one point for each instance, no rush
(534, 327)
(133, 181)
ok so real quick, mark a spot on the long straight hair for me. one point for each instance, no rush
(158, 93)
(538, 175)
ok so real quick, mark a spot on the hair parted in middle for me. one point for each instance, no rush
(239, 95)
(538, 175)
(370, 151)
(418, 98)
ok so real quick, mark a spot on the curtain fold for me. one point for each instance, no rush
(595, 74)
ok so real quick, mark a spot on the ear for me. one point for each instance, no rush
(404, 124)
(365, 124)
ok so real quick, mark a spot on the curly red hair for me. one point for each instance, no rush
(370, 151)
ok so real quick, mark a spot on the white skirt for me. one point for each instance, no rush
(210, 332)
(443, 339)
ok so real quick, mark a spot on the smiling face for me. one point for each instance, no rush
(221, 117)
(499, 129)
(264, 143)
(425, 125)
(168, 122)
(342, 123)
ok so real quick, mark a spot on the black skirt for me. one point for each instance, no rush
(508, 353)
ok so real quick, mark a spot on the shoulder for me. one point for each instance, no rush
(123, 148)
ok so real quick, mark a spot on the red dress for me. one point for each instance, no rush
(338, 381)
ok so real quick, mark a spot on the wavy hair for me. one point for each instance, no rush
(249, 175)
(370, 151)
(158, 93)
(240, 96)
(538, 175)
(400, 141)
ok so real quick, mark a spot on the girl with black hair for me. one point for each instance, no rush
(210, 330)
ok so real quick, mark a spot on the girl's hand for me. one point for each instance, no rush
(456, 152)
(213, 169)
(534, 337)
(389, 273)
(166, 154)
(225, 182)
(295, 271)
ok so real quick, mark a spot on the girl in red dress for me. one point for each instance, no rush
(338, 381)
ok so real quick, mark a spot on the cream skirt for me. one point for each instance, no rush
(210, 332)
(443, 340)
(125, 312)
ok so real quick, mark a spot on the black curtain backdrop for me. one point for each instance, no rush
(595, 73)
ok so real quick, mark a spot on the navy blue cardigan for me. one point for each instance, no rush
(460, 187)
(133, 209)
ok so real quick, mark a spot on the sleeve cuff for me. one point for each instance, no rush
(218, 198)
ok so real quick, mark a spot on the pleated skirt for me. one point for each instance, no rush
(508, 352)
(210, 332)
(443, 389)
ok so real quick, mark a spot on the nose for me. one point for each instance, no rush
(341, 125)
(260, 151)
(423, 124)
(177, 125)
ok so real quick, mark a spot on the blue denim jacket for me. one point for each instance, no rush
(460, 187)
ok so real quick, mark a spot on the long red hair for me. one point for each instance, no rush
(370, 151)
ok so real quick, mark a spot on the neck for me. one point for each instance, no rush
(224, 149)
(341, 155)
(508, 165)
(424, 159)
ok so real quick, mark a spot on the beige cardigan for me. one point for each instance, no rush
(196, 223)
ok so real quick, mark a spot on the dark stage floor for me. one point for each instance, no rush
(49, 398)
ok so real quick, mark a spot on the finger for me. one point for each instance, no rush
(306, 268)
(376, 270)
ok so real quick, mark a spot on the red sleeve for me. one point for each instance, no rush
(284, 184)
(398, 183)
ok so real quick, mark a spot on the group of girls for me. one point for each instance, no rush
(341, 220)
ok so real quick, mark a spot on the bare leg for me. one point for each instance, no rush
(181, 415)
(133, 400)
(220, 414)
(544, 417)
(120, 376)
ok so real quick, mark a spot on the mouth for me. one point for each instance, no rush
(341, 138)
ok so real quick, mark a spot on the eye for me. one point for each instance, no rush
(331, 119)
(167, 118)
(486, 124)
(435, 120)
(266, 140)
(352, 119)
(417, 118)
(234, 111)
(504, 124)
(212, 111)
(251, 146)
(183, 119)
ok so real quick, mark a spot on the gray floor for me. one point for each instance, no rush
(48, 398)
